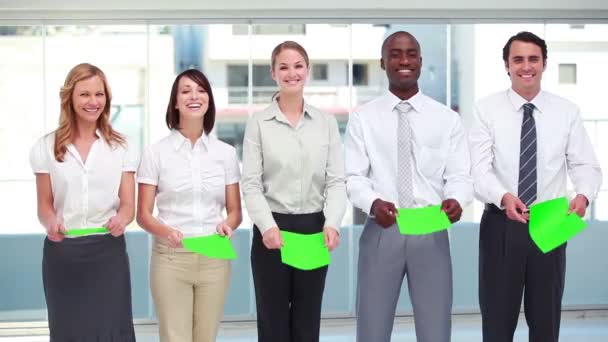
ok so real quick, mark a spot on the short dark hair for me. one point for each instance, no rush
(528, 37)
(199, 78)
(394, 34)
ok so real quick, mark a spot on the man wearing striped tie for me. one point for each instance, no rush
(405, 150)
(523, 141)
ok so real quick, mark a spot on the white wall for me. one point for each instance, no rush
(278, 9)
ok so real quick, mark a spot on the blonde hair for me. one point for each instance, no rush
(67, 119)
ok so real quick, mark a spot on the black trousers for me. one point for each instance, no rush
(511, 265)
(288, 300)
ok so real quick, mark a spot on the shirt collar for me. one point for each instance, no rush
(416, 101)
(274, 112)
(178, 140)
(518, 102)
(99, 138)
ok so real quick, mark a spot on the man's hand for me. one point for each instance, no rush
(515, 209)
(452, 208)
(578, 205)
(385, 212)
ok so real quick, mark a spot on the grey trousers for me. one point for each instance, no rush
(385, 257)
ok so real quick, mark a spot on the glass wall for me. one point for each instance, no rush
(461, 64)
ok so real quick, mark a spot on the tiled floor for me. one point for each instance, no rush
(577, 326)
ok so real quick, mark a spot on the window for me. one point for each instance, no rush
(319, 72)
(567, 74)
(360, 74)
(238, 81)
(291, 29)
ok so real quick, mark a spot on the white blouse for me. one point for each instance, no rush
(191, 181)
(85, 194)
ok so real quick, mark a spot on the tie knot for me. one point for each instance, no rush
(528, 108)
(403, 107)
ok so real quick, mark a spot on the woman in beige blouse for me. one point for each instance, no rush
(293, 180)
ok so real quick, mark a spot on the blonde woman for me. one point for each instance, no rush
(293, 180)
(193, 177)
(85, 178)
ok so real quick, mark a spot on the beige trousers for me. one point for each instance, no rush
(189, 292)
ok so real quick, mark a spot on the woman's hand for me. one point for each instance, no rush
(174, 238)
(56, 230)
(116, 225)
(223, 229)
(272, 238)
(332, 238)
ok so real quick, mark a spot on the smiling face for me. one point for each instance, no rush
(525, 66)
(192, 100)
(290, 71)
(89, 99)
(402, 62)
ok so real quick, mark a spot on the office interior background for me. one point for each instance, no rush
(142, 45)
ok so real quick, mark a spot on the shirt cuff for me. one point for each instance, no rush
(266, 224)
(332, 222)
(145, 180)
(497, 197)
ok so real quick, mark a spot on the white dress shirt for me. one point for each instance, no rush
(190, 181)
(293, 170)
(562, 144)
(85, 194)
(440, 156)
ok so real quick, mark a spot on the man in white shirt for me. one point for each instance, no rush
(523, 140)
(406, 150)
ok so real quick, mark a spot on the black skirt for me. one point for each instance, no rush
(87, 287)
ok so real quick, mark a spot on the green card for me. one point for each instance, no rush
(550, 224)
(304, 251)
(86, 231)
(420, 221)
(212, 246)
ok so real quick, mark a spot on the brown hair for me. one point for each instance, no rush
(67, 119)
(288, 45)
(199, 78)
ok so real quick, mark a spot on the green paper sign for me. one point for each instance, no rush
(551, 226)
(420, 221)
(86, 231)
(304, 251)
(212, 246)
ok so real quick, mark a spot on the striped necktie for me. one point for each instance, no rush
(404, 156)
(527, 157)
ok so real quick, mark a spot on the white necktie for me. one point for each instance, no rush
(404, 156)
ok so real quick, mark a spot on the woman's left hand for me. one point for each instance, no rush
(116, 225)
(332, 238)
(224, 230)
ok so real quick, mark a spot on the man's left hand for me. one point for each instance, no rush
(452, 208)
(578, 205)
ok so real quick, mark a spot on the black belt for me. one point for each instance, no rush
(493, 209)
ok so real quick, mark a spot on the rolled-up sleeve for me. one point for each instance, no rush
(39, 157)
(148, 171)
(335, 205)
(253, 169)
